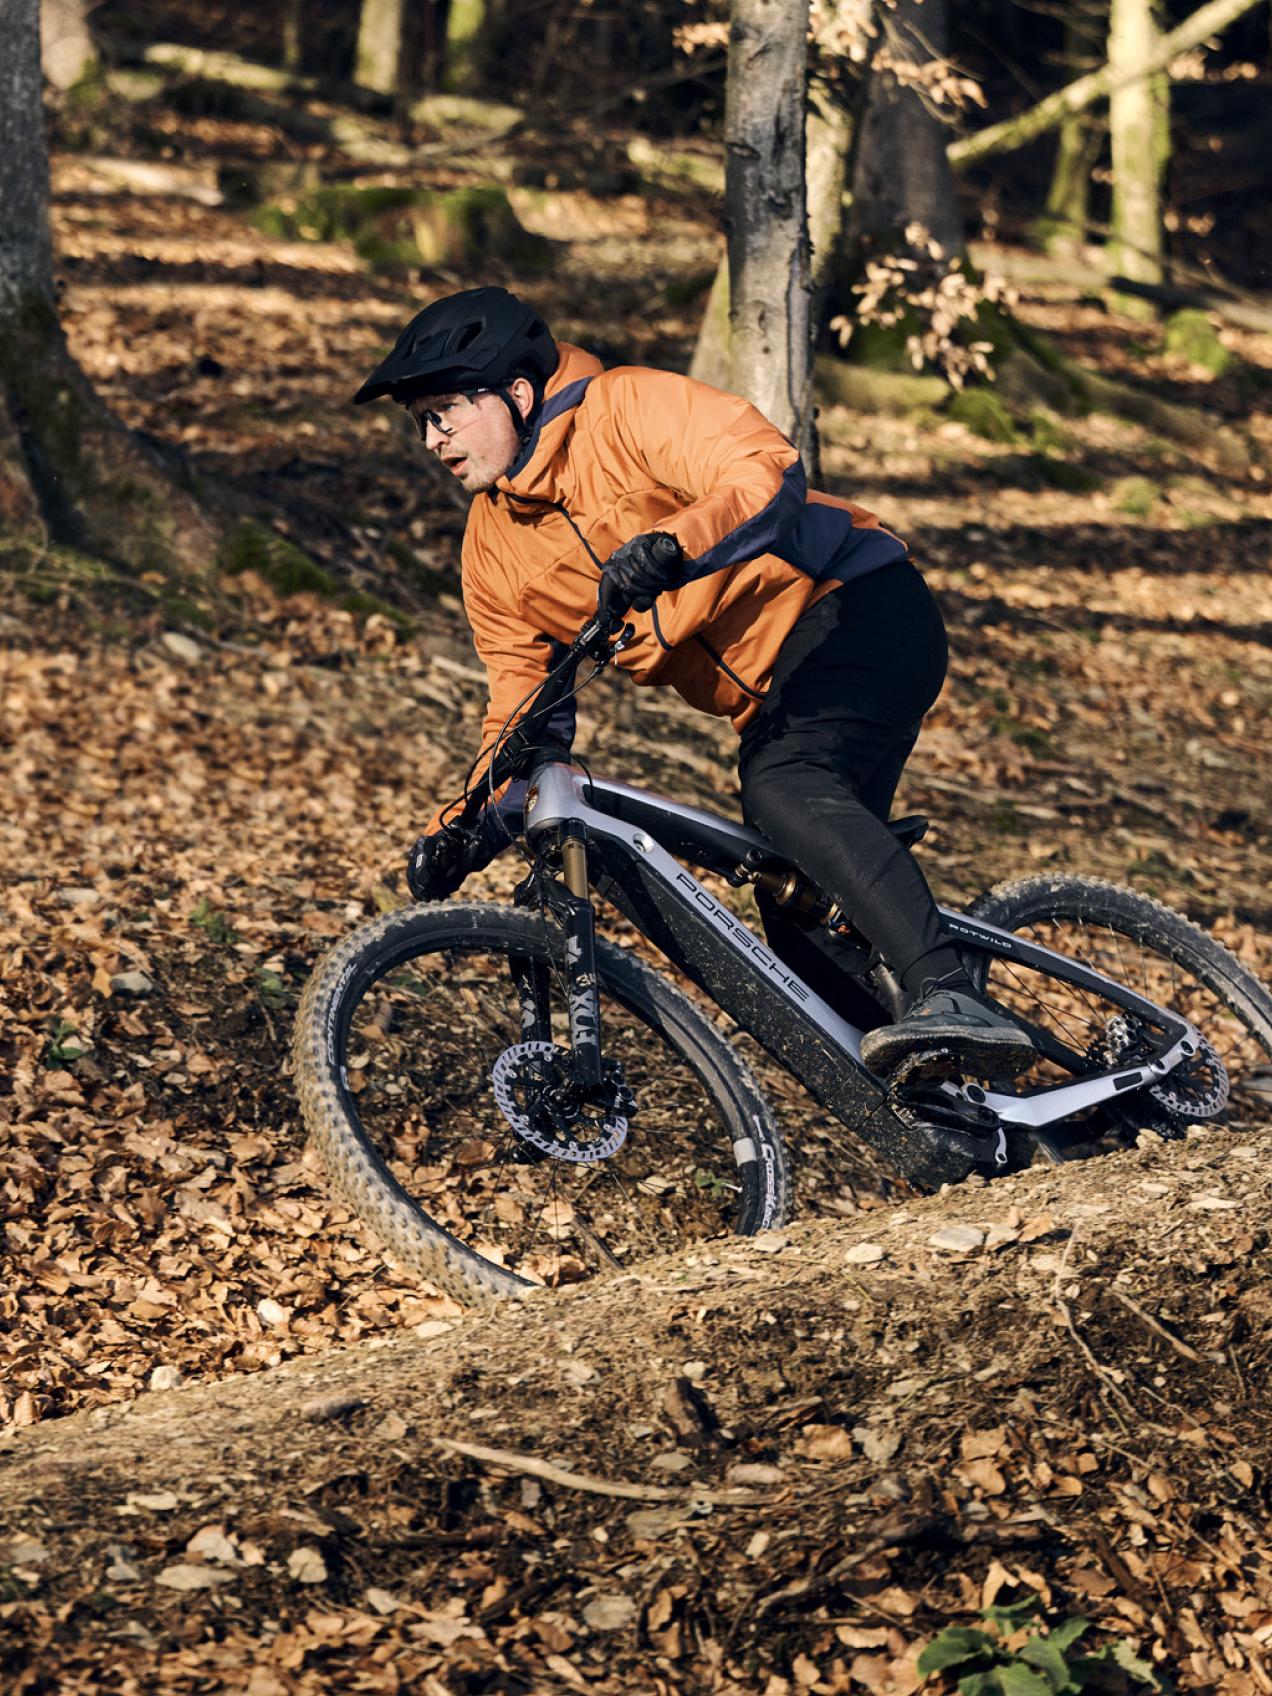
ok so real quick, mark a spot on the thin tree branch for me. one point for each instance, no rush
(534, 1467)
(1075, 97)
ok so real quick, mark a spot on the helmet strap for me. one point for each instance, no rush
(523, 426)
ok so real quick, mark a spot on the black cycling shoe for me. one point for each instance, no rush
(977, 1037)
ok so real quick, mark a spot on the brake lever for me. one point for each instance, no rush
(603, 636)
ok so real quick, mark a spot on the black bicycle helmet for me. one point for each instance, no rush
(477, 339)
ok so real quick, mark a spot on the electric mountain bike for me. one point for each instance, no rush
(509, 1099)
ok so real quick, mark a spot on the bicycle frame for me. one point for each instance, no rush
(632, 840)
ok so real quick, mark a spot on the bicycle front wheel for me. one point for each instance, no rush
(411, 1076)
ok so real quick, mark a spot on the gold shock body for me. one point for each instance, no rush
(574, 866)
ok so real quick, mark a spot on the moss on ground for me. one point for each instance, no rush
(392, 227)
(1190, 335)
(249, 546)
(984, 414)
(1064, 474)
(1135, 496)
(881, 347)
(339, 212)
(1048, 435)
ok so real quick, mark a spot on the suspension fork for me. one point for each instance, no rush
(580, 959)
(532, 983)
(569, 902)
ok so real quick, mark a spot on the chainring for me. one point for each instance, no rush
(534, 1090)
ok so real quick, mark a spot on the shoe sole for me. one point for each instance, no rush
(985, 1055)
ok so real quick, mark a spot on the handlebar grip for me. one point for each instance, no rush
(666, 549)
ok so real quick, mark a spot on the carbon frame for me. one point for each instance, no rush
(633, 838)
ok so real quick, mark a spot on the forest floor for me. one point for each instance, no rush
(225, 1466)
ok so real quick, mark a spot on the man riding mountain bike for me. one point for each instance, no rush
(791, 612)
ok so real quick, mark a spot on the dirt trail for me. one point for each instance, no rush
(845, 1431)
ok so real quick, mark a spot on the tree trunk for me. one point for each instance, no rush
(378, 60)
(465, 23)
(770, 279)
(1048, 114)
(293, 35)
(67, 53)
(902, 175)
(827, 139)
(1063, 229)
(1138, 125)
(710, 362)
(68, 472)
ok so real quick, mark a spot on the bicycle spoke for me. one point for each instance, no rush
(1037, 999)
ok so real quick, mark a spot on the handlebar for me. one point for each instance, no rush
(514, 753)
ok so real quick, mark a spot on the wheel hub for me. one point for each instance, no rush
(535, 1091)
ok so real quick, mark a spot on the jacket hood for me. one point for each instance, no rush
(565, 389)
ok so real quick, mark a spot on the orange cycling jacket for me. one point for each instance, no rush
(615, 454)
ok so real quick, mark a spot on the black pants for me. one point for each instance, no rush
(819, 766)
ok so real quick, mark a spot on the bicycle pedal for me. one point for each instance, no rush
(926, 1063)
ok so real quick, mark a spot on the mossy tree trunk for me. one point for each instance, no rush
(293, 34)
(1139, 134)
(69, 473)
(1063, 228)
(769, 272)
(67, 52)
(466, 20)
(827, 143)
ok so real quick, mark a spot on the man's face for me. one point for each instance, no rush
(472, 434)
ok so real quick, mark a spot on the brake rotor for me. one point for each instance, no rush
(534, 1091)
(1186, 1091)
(1197, 1089)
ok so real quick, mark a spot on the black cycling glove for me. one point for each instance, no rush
(638, 572)
(438, 864)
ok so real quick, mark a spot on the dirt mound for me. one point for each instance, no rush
(778, 1465)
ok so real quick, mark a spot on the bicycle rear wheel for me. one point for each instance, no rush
(407, 1041)
(1163, 957)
